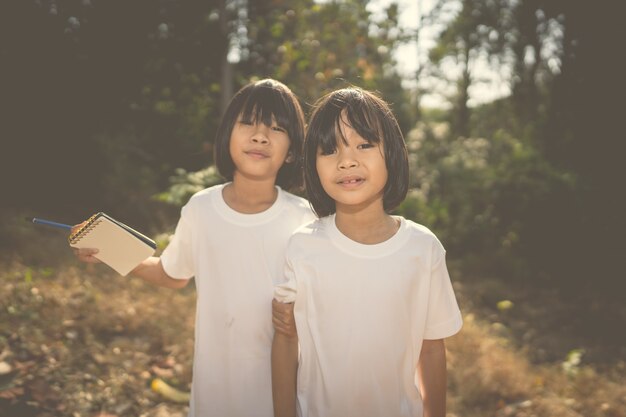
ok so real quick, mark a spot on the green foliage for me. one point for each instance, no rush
(185, 184)
(571, 364)
(105, 101)
(313, 48)
(479, 194)
(28, 276)
(317, 47)
(137, 86)
(548, 186)
(114, 71)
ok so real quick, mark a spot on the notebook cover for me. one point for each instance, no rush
(119, 246)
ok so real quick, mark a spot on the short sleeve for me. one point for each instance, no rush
(286, 291)
(177, 258)
(443, 317)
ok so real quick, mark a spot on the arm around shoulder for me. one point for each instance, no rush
(151, 270)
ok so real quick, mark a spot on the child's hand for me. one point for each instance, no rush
(85, 254)
(283, 318)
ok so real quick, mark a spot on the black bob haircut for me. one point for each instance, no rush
(261, 101)
(372, 119)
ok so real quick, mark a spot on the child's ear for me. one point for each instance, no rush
(289, 158)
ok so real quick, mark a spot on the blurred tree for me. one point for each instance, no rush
(584, 136)
(521, 38)
(104, 99)
(464, 40)
(313, 48)
(477, 192)
(554, 187)
(317, 47)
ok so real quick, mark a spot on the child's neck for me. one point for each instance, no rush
(249, 197)
(368, 227)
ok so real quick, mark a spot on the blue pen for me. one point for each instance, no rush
(50, 223)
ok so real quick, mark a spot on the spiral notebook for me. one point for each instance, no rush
(119, 246)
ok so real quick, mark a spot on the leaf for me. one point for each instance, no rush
(169, 392)
(28, 276)
(12, 393)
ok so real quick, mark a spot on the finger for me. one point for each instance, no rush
(283, 331)
(281, 324)
(78, 226)
(286, 316)
(289, 331)
(87, 258)
(286, 323)
(279, 314)
(281, 327)
(280, 306)
(90, 260)
(87, 251)
(284, 310)
(86, 255)
(276, 321)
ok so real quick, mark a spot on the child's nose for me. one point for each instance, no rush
(347, 164)
(260, 135)
(347, 160)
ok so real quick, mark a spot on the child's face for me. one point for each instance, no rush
(355, 174)
(258, 151)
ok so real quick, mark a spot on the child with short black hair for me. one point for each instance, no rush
(232, 238)
(372, 296)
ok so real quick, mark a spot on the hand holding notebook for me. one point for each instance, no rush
(119, 246)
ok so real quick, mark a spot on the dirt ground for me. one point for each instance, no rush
(79, 340)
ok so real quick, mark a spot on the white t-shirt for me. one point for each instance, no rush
(362, 313)
(236, 260)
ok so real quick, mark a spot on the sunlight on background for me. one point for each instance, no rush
(490, 83)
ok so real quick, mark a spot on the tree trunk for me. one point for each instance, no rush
(226, 81)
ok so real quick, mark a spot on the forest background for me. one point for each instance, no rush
(112, 106)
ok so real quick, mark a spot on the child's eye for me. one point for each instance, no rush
(366, 145)
(279, 129)
(327, 152)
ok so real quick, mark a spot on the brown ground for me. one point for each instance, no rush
(78, 340)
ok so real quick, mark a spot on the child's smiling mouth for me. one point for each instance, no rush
(257, 154)
(350, 181)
